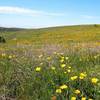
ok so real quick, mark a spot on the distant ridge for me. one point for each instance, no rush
(52, 27)
(3, 29)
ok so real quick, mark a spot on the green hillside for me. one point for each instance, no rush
(63, 35)
(57, 34)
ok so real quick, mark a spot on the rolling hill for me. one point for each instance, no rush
(53, 35)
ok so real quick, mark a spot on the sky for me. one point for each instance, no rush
(48, 13)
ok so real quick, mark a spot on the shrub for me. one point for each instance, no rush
(2, 39)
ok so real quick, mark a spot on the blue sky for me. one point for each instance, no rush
(47, 13)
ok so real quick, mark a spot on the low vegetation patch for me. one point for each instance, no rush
(58, 76)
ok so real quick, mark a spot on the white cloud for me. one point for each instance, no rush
(19, 10)
(89, 16)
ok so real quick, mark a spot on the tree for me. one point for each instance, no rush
(2, 39)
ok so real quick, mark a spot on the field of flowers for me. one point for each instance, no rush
(71, 75)
(60, 63)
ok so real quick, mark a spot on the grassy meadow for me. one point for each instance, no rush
(57, 63)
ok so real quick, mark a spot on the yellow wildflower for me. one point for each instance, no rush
(82, 75)
(65, 72)
(13, 56)
(63, 65)
(55, 53)
(83, 98)
(77, 91)
(90, 99)
(68, 70)
(62, 60)
(53, 68)
(66, 58)
(74, 77)
(3, 54)
(58, 91)
(40, 56)
(69, 67)
(94, 80)
(80, 59)
(62, 57)
(41, 63)
(48, 58)
(73, 98)
(38, 69)
(10, 57)
(63, 87)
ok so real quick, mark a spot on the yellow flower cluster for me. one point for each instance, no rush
(74, 78)
(62, 59)
(8, 56)
(77, 92)
(62, 87)
(73, 98)
(38, 69)
(94, 80)
(83, 98)
(82, 75)
(58, 91)
(63, 65)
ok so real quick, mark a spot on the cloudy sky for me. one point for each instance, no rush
(47, 13)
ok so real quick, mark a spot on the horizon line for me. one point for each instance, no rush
(48, 26)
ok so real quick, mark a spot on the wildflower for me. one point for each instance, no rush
(69, 67)
(65, 72)
(53, 68)
(69, 70)
(10, 57)
(96, 56)
(55, 53)
(41, 63)
(40, 56)
(82, 75)
(48, 58)
(80, 59)
(90, 99)
(83, 98)
(63, 87)
(74, 78)
(94, 80)
(38, 69)
(63, 65)
(3, 54)
(58, 91)
(73, 98)
(13, 56)
(62, 57)
(66, 58)
(77, 91)
(62, 60)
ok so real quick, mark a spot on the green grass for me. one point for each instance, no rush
(56, 35)
(60, 53)
(19, 78)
